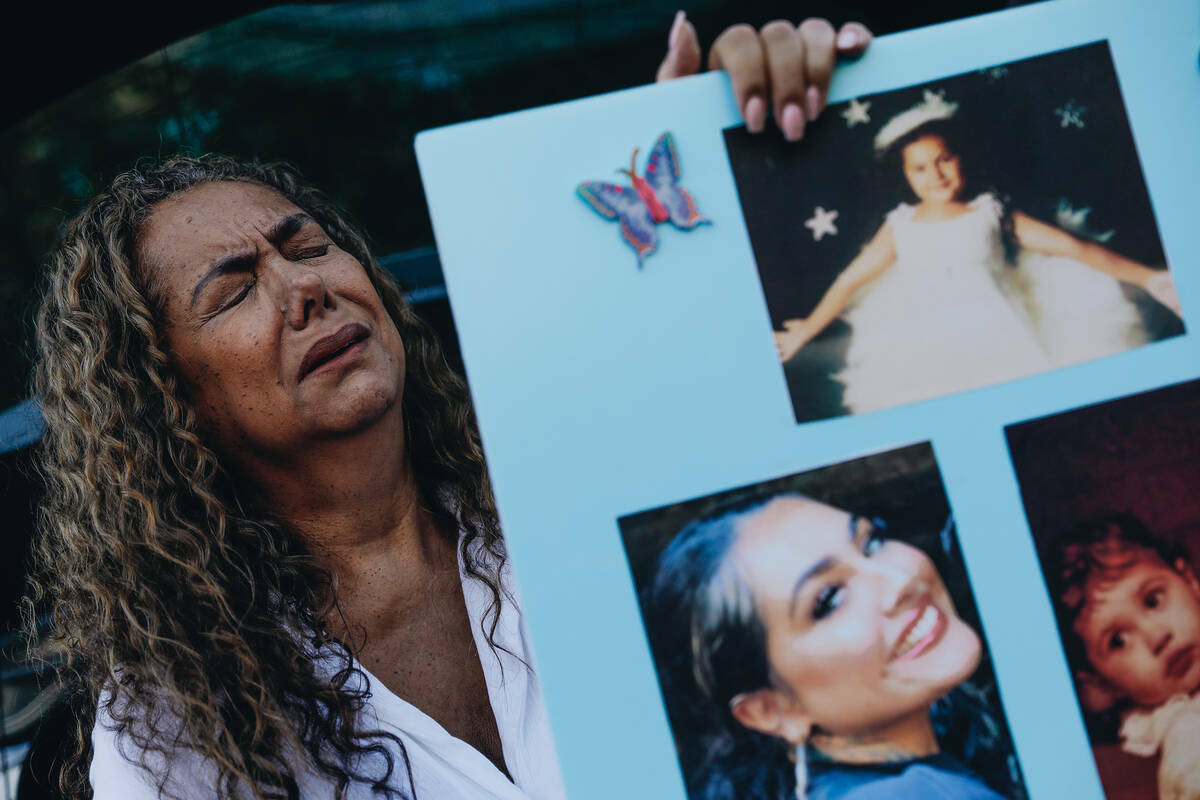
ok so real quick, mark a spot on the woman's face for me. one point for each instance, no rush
(932, 170)
(278, 333)
(861, 632)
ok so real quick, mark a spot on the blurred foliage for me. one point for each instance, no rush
(339, 91)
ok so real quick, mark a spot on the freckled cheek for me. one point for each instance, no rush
(236, 371)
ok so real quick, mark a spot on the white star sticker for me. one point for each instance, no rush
(822, 223)
(856, 112)
(1070, 114)
(1075, 220)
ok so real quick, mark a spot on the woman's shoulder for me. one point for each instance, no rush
(989, 202)
(122, 769)
(900, 215)
(914, 780)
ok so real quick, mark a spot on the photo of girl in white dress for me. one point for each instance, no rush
(958, 288)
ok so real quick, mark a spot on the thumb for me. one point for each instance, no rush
(683, 51)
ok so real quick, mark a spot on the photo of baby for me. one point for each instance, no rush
(1112, 494)
(815, 637)
(953, 235)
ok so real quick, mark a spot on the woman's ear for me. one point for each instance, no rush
(1095, 693)
(769, 712)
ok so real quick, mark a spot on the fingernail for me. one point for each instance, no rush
(812, 101)
(756, 114)
(847, 40)
(676, 26)
(793, 122)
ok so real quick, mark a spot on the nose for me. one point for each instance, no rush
(305, 297)
(1158, 641)
(899, 586)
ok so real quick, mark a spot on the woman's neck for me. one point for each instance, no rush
(903, 740)
(356, 503)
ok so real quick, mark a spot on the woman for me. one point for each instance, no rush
(938, 300)
(814, 658)
(268, 540)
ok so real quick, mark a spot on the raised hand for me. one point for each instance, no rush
(785, 65)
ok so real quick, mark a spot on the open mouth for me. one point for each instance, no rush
(922, 632)
(1181, 661)
(333, 347)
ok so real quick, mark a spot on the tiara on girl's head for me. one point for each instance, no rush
(933, 107)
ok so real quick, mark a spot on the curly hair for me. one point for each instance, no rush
(141, 520)
(1098, 549)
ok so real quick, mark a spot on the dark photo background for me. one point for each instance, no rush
(1137, 455)
(902, 487)
(1020, 148)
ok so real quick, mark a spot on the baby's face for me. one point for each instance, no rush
(1142, 630)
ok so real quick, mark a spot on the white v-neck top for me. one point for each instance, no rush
(443, 767)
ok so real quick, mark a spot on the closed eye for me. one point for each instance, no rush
(238, 297)
(311, 252)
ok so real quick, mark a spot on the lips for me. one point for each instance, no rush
(925, 626)
(1180, 662)
(329, 348)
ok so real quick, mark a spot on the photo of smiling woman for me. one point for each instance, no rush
(815, 638)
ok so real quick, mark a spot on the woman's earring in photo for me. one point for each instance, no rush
(796, 734)
(800, 756)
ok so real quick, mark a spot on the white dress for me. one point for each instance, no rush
(952, 314)
(1172, 732)
(443, 767)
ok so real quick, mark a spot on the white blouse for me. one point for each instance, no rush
(443, 767)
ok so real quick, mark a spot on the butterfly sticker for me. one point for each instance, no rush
(652, 199)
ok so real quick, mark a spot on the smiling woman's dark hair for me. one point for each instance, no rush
(192, 612)
(710, 646)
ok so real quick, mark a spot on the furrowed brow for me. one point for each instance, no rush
(286, 228)
(234, 262)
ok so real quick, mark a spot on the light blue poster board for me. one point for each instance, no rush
(603, 390)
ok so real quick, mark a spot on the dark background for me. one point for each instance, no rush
(1139, 454)
(1018, 147)
(901, 487)
(337, 89)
